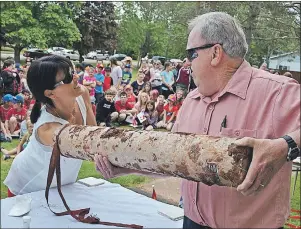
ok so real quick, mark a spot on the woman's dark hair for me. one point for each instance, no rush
(41, 76)
(81, 67)
(8, 62)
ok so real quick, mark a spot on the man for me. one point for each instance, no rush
(258, 107)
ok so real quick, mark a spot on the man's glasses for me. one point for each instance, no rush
(192, 54)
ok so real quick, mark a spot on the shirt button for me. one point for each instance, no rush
(237, 132)
(205, 130)
(193, 201)
(210, 107)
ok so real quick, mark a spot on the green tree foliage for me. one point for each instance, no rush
(40, 24)
(97, 25)
(160, 28)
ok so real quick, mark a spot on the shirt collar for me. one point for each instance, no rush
(238, 84)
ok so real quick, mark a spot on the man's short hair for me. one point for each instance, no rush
(221, 28)
(110, 92)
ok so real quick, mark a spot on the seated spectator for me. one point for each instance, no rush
(6, 106)
(151, 116)
(154, 95)
(126, 75)
(16, 115)
(4, 134)
(93, 101)
(130, 95)
(99, 83)
(123, 109)
(23, 125)
(108, 82)
(169, 114)
(179, 98)
(105, 108)
(138, 84)
(145, 70)
(147, 88)
(90, 82)
(160, 106)
(22, 144)
(27, 99)
(140, 107)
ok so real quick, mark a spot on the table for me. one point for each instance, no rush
(110, 202)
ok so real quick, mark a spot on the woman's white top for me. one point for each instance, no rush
(29, 170)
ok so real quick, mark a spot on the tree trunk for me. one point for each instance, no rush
(210, 160)
(17, 51)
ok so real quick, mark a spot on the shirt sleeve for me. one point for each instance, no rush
(286, 112)
(117, 106)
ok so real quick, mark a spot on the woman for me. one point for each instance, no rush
(50, 80)
(156, 78)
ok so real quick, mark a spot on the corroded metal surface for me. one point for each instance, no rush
(200, 158)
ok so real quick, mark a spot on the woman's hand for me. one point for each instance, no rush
(107, 169)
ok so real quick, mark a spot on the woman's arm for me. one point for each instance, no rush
(91, 120)
(172, 117)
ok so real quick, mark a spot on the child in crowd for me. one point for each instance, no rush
(160, 106)
(151, 116)
(105, 108)
(99, 83)
(130, 95)
(126, 75)
(140, 107)
(7, 105)
(169, 113)
(179, 97)
(79, 70)
(145, 70)
(4, 134)
(90, 82)
(108, 82)
(22, 144)
(123, 109)
(93, 101)
(27, 99)
(23, 125)
(153, 95)
(16, 115)
(138, 84)
(117, 92)
(147, 88)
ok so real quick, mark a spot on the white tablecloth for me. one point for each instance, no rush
(110, 202)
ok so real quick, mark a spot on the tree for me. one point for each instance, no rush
(37, 24)
(96, 23)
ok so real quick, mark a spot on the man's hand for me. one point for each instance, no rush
(107, 169)
(268, 158)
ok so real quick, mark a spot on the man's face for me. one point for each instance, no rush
(123, 99)
(201, 65)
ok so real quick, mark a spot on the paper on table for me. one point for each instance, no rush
(21, 207)
(172, 212)
(91, 181)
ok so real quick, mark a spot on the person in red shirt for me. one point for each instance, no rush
(160, 106)
(27, 99)
(16, 115)
(169, 113)
(183, 79)
(180, 98)
(7, 105)
(108, 82)
(123, 109)
(130, 95)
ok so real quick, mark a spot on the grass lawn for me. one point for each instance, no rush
(87, 170)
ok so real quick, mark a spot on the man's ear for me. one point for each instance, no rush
(217, 55)
(49, 94)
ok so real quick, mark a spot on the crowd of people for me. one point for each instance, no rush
(149, 102)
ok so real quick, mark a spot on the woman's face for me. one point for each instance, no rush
(179, 94)
(63, 90)
(160, 100)
(147, 87)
